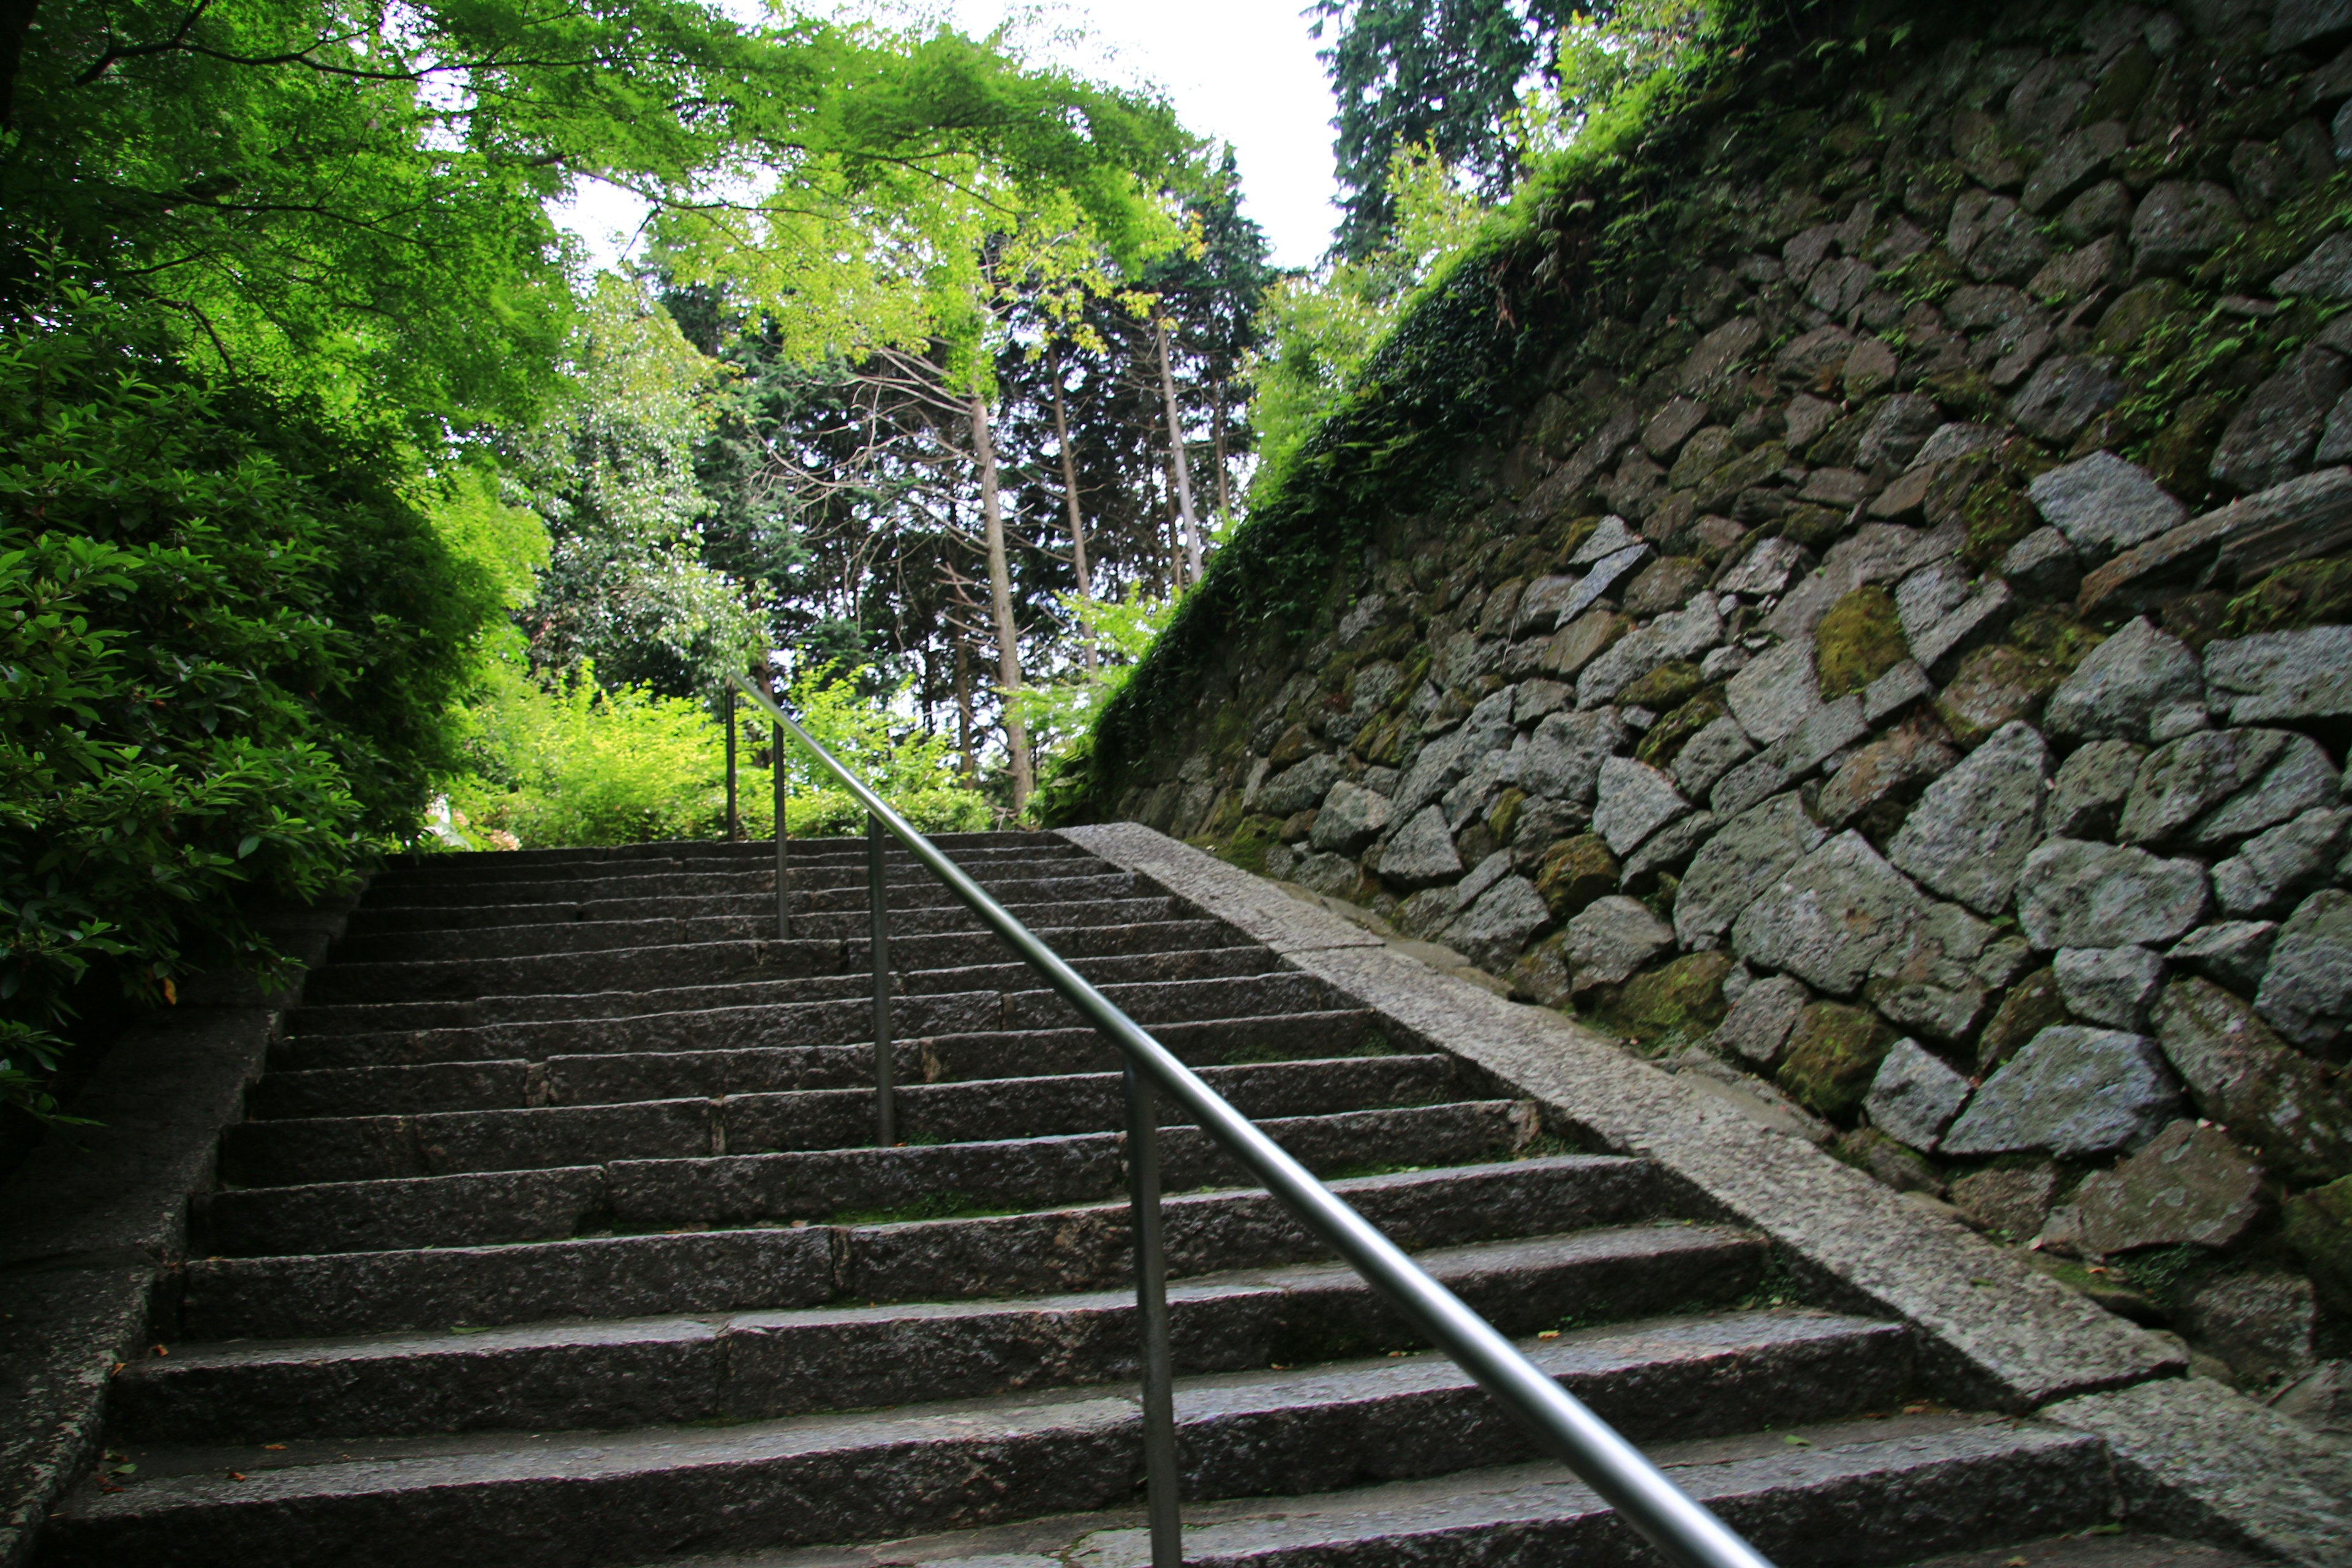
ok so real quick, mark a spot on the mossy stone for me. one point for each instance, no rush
(2180, 454)
(1681, 999)
(1998, 516)
(1815, 527)
(1666, 688)
(1246, 848)
(2304, 593)
(1993, 686)
(1859, 640)
(1505, 818)
(2319, 1230)
(1666, 737)
(2136, 310)
(2031, 1005)
(1575, 873)
(1832, 1053)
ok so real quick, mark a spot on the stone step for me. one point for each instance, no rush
(1083, 1247)
(364, 1018)
(655, 897)
(1015, 1053)
(964, 848)
(824, 935)
(844, 1020)
(1836, 1495)
(486, 1208)
(375, 1148)
(763, 1365)
(573, 1498)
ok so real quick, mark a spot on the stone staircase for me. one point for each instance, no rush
(555, 1236)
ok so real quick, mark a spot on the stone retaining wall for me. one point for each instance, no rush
(1904, 670)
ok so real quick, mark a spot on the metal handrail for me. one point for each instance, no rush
(1680, 1527)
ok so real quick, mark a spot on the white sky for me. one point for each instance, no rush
(1244, 72)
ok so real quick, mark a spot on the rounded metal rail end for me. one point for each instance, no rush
(1681, 1529)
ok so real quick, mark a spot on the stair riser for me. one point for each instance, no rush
(961, 1259)
(823, 937)
(659, 879)
(1211, 1042)
(266, 1154)
(843, 1020)
(1212, 963)
(769, 1365)
(964, 848)
(493, 1207)
(1879, 1510)
(912, 900)
(757, 1491)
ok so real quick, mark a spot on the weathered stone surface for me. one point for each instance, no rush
(1939, 976)
(1610, 939)
(2306, 516)
(2072, 167)
(1538, 700)
(1604, 575)
(1776, 690)
(1970, 835)
(2073, 1092)
(1874, 553)
(1859, 639)
(2259, 1322)
(2271, 438)
(1707, 756)
(1830, 917)
(2301, 777)
(1889, 769)
(1633, 801)
(1351, 818)
(1499, 924)
(1563, 758)
(2064, 394)
(2319, 1230)
(2233, 952)
(2180, 780)
(2091, 786)
(2325, 274)
(2274, 675)
(2103, 504)
(2294, 1113)
(1612, 534)
(2112, 985)
(1928, 594)
(1832, 1056)
(2014, 1202)
(1582, 641)
(2075, 893)
(1421, 852)
(1759, 1024)
(1298, 788)
(2307, 992)
(1672, 425)
(1477, 788)
(2127, 682)
(1914, 1096)
(2044, 565)
(1667, 850)
(2190, 1185)
(2180, 223)
(1540, 604)
(1685, 634)
(1767, 568)
(1745, 857)
(1894, 691)
(1336, 875)
(2271, 871)
(2031, 1005)
(1828, 729)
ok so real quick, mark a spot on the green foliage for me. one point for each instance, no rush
(584, 764)
(229, 636)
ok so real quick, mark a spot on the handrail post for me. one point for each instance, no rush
(877, 903)
(734, 822)
(783, 794)
(1160, 1478)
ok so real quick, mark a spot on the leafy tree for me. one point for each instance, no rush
(1446, 75)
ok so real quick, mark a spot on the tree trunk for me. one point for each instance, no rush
(1217, 435)
(964, 710)
(1177, 466)
(999, 596)
(1077, 520)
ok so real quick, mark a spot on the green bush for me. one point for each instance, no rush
(582, 764)
(227, 644)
